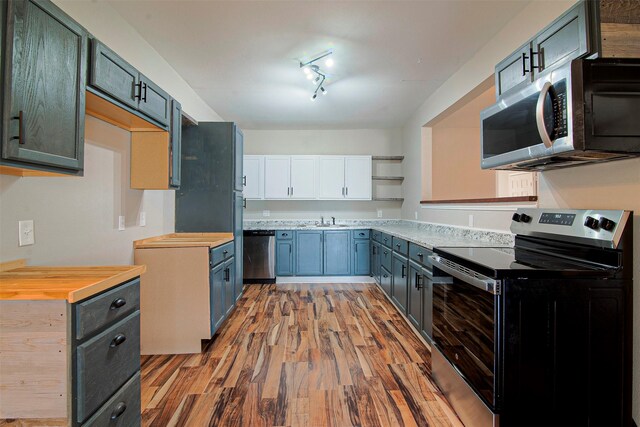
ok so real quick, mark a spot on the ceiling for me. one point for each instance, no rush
(241, 57)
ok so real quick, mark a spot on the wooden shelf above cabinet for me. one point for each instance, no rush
(387, 178)
(388, 199)
(104, 110)
(388, 158)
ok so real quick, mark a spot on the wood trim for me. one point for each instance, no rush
(483, 200)
(104, 110)
(25, 172)
(33, 359)
(620, 40)
(12, 265)
(184, 240)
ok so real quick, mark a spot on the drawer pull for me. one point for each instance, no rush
(225, 252)
(120, 408)
(119, 339)
(116, 304)
(420, 255)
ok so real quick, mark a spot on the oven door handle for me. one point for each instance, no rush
(485, 283)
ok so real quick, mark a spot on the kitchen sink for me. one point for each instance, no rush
(330, 225)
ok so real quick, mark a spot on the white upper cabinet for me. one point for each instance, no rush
(253, 177)
(357, 177)
(304, 177)
(277, 176)
(331, 176)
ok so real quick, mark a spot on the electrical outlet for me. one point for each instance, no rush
(266, 213)
(143, 219)
(470, 220)
(379, 213)
(26, 232)
(415, 214)
(121, 223)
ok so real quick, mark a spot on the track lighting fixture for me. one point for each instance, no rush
(315, 75)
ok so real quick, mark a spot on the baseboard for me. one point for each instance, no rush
(325, 279)
(258, 281)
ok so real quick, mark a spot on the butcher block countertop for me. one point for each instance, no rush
(184, 240)
(21, 282)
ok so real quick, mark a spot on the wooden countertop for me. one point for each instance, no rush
(20, 282)
(184, 240)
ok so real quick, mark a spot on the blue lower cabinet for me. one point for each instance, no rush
(414, 301)
(309, 251)
(385, 280)
(399, 281)
(361, 258)
(216, 296)
(284, 258)
(337, 253)
(375, 260)
(229, 273)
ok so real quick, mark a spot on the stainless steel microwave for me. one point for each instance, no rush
(586, 111)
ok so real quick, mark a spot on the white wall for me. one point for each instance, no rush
(76, 218)
(348, 142)
(614, 185)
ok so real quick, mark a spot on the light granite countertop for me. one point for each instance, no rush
(425, 234)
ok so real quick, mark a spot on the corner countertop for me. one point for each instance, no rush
(21, 282)
(184, 240)
(426, 234)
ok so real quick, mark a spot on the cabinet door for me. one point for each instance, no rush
(216, 296)
(357, 173)
(176, 144)
(331, 177)
(427, 304)
(309, 253)
(46, 56)
(238, 151)
(303, 177)
(385, 281)
(113, 75)
(284, 258)
(375, 261)
(414, 301)
(277, 173)
(229, 285)
(399, 281)
(514, 71)
(361, 264)
(253, 168)
(337, 253)
(154, 102)
(565, 39)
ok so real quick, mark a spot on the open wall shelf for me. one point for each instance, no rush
(385, 185)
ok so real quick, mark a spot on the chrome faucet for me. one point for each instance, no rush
(333, 220)
(321, 220)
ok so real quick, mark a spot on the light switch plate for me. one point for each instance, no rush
(26, 232)
(379, 213)
(470, 220)
(266, 213)
(143, 219)
(121, 223)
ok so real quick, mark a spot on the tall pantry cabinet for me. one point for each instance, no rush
(210, 197)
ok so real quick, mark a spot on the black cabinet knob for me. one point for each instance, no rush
(117, 303)
(606, 224)
(119, 339)
(516, 217)
(119, 410)
(591, 222)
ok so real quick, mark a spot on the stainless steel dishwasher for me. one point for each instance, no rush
(259, 256)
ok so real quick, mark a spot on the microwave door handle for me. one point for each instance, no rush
(542, 129)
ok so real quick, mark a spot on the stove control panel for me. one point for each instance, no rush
(602, 228)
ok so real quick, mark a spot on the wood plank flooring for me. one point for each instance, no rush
(300, 355)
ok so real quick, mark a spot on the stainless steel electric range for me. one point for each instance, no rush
(541, 334)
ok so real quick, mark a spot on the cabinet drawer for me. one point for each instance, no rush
(284, 235)
(94, 314)
(105, 363)
(420, 255)
(401, 246)
(361, 234)
(385, 258)
(386, 239)
(122, 410)
(221, 253)
(375, 235)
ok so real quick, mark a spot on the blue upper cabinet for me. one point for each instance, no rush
(361, 257)
(337, 253)
(284, 257)
(309, 253)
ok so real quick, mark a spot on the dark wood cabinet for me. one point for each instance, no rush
(44, 88)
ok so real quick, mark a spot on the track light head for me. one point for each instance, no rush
(314, 96)
(323, 90)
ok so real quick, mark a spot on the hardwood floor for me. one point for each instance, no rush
(300, 355)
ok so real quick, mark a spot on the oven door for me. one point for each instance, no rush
(534, 123)
(466, 313)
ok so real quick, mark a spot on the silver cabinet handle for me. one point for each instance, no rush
(288, 190)
(292, 191)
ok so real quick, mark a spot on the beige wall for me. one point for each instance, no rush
(348, 142)
(76, 218)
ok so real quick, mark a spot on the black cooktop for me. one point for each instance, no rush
(506, 262)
